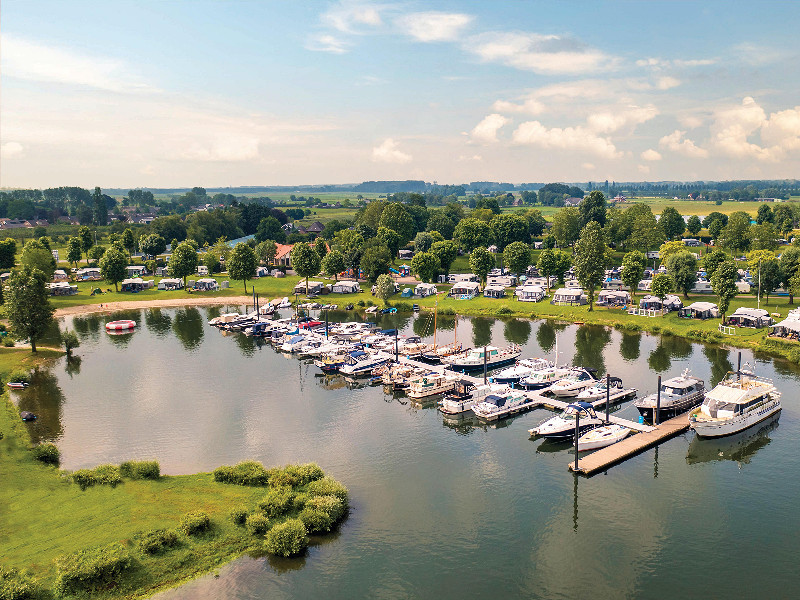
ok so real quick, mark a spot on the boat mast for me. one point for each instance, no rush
(435, 312)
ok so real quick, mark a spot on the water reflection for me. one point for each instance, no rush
(72, 366)
(121, 339)
(517, 331)
(658, 360)
(677, 347)
(481, 331)
(188, 327)
(45, 399)
(423, 324)
(546, 336)
(629, 346)
(158, 321)
(87, 327)
(590, 340)
(720, 364)
(740, 447)
(462, 424)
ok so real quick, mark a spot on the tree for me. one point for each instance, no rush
(269, 228)
(446, 252)
(593, 208)
(662, 285)
(793, 285)
(128, 241)
(375, 261)
(645, 234)
(693, 225)
(667, 249)
(423, 241)
(333, 264)
(735, 236)
(536, 222)
(763, 237)
(563, 264)
(74, 251)
(591, 254)
(713, 260)
(508, 229)
(790, 266)
(183, 261)
(113, 265)
(517, 257)
(671, 223)
(551, 262)
(305, 261)
(784, 218)
(266, 251)
(70, 341)
(439, 220)
(96, 253)
(472, 233)
(99, 208)
(87, 240)
(28, 305)
(765, 215)
(389, 238)
(715, 229)
(766, 272)
(242, 264)
(633, 266)
(723, 282)
(384, 287)
(322, 249)
(152, 245)
(425, 265)
(8, 252)
(715, 216)
(36, 256)
(566, 226)
(481, 261)
(351, 244)
(682, 267)
(398, 218)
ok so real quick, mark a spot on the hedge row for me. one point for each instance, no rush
(101, 475)
(16, 585)
(91, 570)
(253, 473)
(140, 469)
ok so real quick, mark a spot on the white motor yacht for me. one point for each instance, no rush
(466, 395)
(562, 426)
(544, 378)
(678, 395)
(602, 436)
(598, 389)
(574, 383)
(496, 406)
(361, 363)
(522, 369)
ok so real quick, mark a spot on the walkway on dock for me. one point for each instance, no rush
(606, 457)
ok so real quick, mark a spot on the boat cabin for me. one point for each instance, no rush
(494, 291)
(750, 317)
(463, 389)
(584, 409)
(700, 310)
(568, 297)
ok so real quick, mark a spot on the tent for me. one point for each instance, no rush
(465, 289)
(314, 287)
(654, 303)
(170, 284)
(346, 287)
(750, 317)
(207, 285)
(494, 291)
(788, 328)
(568, 297)
(529, 293)
(613, 298)
(407, 293)
(425, 289)
(700, 310)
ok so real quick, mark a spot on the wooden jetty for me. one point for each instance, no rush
(606, 457)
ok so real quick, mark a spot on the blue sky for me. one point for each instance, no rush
(176, 93)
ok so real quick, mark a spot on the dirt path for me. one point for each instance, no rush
(108, 307)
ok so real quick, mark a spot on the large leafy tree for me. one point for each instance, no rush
(671, 223)
(790, 266)
(715, 216)
(764, 215)
(74, 251)
(28, 305)
(269, 228)
(517, 257)
(591, 255)
(183, 261)
(439, 220)
(129, 241)
(784, 218)
(566, 226)
(36, 256)
(351, 244)
(87, 240)
(472, 233)
(153, 245)
(765, 269)
(593, 208)
(682, 267)
(508, 229)
(305, 261)
(375, 261)
(99, 208)
(713, 260)
(553, 263)
(8, 252)
(735, 236)
(723, 282)
(667, 249)
(266, 251)
(662, 285)
(242, 263)
(390, 239)
(446, 252)
(112, 266)
(333, 264)
(423, 241)
(384, 287)
(633, 266)
(763, 237)
(693, 225)
(398, 217)
(536, 222)
(425, 265)
(481, 261)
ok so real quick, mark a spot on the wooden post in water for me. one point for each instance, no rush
(396, 350)
(608, 394)
(484, 365)
(739, 367)
(657, 415)
(326, 324)
(577, 435)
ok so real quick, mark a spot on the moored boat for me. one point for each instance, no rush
(598, 389)
(466, 394)
(362, 363)
(498, 406)
(543, 378)
(563, 426)
(431, 384)
(577, 380)
(602, 436)
(491, 357)
(522, 369)
(678, 395)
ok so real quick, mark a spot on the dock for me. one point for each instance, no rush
(606, 457)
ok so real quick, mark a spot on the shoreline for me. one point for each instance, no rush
(108, 307)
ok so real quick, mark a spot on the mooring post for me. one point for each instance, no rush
(739, 367)
(657, 415)
(577, 435)
(396, 350)
(608, 394)
(326, 324)
(484, 365)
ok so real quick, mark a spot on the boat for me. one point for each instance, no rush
(562, 426)
(371, 309)
(397, 376)
(223, 319)
(435, 354)
(523, 368)
(543, 378)
(737, 402)
(739, 447)
(361, 363)
(577, 380)
(497, 406)
(597, 390)
(678, 395)
(122, 325)
(284, 303)
(490, 357)
(431, 384)
(17, 385)
(602, 436)
(466, 394)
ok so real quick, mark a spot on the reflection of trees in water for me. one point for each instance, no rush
(121, 339)
(629, 346)
(546, 336)
(158, 321)
(423, 324)
(481, 331)
(212, 312)
(247, 344)
(658, 360)
(44, 399)
(87, 326)
(51, 337)
(590, 340)
(782, 366)
(188, 327)
(445, 322)
(72, 366)
(517, 331)
(720, 363)
(677, 347)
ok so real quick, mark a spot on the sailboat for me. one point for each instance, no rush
(436, 353)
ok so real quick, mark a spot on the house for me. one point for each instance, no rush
(750, 317)
(60, 275)
(425, 289)
(465, 290)
(136, 270)
(613, 298)
(494, 291)
(136, 284)
(143, 218)
(405, 254)
(170, 284)
(530, 292)
(316, 227)
(346, 287)
(314, 287)
(669, 303)
(88, 274)
(14, 223)
(572, 201)
(700, 310)
(283, 255)
(206, 285)
(569, 297)
(62, 288)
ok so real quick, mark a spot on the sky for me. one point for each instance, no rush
(233, 93)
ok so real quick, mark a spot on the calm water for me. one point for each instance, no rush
(443, 508)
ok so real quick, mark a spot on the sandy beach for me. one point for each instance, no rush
(108, 307)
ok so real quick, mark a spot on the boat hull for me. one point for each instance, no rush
(673, 410)
(602, 437)
(471, 368)
(717, 428)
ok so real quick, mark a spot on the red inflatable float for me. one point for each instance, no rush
(120, 325)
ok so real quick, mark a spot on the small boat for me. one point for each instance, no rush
(497, 406)
(362, 363)
(739, 401)
(574, 383)
(602, 436)
(678, 395)
(466, 395)
(122, 325)
(285, 303)
(27, 416)
(598, 389)
(475, 359)
(543, 378)
(562, 426)
(223, 319)
(431, 384)
(371, 309)
(17, 385)
(522, 369)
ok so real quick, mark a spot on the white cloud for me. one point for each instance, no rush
(643, 169)
(486, 131)
(25, 59)
(733, 126)
(434, 26)
(661, 63)
(327, 43)
(667, 83)
(545, 54)
(782, 129)
(610, 121)
(388, 152)
(228, 149)
(349, 17)
(690, 121)
(588, 166)
(11, 149)
(474, 157)
(675, 142)
(651, 155)
(533, 133)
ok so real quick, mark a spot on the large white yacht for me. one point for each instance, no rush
(497, 406)
(574, 383)
(678, 395)
(522, 369)
(562, 426)
(474, 360)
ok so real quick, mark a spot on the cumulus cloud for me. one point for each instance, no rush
(388, 152)
(544, 54)
(734, 125)
(675, 142)
(350, 17)
(11, 149)
(651, 155)
(533, 133)
(588, 166)
(434, 26)
(327, 43)
(610, 121)
(782, 129)
(486, 131)
(644, 169)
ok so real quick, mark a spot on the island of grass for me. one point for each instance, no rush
(126, 531)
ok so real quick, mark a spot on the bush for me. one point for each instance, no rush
(504, 310)
(8, 342)
(321, 513)
(295, 475)
(195, 522)
(19, 376)
(16, 585)
(244, 473)
(101, 475)
(277, 502)
(239, 515)
(287, 539)
(360, 304)
(315, 521)
(299, 501)
(140, 469)
(403, 306)
(258, 524)
(328, 486)
(47, 453)
(447, 311)
(158, 540)
(91, 570)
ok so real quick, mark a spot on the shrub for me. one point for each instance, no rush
(504, 310)
(300, 500)
(277, 501)
(16, 585)
(47, 453)
(403, 306)
(239, 515)
(100, 475)
(315, 521)
(140, 469)
(295, 475)
(287, 539)
(328, 486)
(447, 311)
(244, 473)
(8, 342)
(19, 376)
(158, 540)
(258, 524)
(360, 303)
(330, 505)
(91, 570)
(195, 522)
